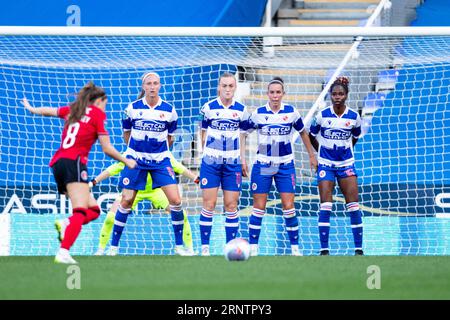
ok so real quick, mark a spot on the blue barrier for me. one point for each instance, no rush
(152, 234)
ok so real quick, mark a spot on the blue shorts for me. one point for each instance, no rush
(263, 174)
(229, 176)
(136, 179)
(331, 173)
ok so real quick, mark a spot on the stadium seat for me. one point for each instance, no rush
(386, 80)
(372, 102)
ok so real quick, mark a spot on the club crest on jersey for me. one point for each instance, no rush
(162, 116)
(235, 114)
(285, 118)
(254, 186)
(204, 181)
(126, 181)
(347, 123)
(84, 175)
(322, 173)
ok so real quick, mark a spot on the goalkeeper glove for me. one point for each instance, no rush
(92, 183)
(197, 180)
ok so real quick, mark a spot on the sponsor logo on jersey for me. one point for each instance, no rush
(150, 125)
(225, 125)
(336, 134)
(275, 130)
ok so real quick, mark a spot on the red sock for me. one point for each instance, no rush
(92, 213)
(74, 227)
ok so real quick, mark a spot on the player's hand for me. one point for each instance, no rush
(245, 169)
(131, 163)
(197, 180)
(27, 105)
(313, 162)
(92, 183)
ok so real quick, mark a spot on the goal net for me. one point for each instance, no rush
(398, 83)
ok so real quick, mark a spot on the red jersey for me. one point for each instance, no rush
(78, 138)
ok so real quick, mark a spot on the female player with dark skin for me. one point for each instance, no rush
(84, 124)
(333, 133)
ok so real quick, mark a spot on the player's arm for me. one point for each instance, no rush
(170, 140)
(179, 168)
(126, 136)
(171, 127)
(109, 150)
(203, 123)
(112, 170)
(244, 126)
(243, 147)
(356, 131)
(127, 124)
(314, 142)
(43, 111)
(309, 148)
(203, 136)
(314, 130)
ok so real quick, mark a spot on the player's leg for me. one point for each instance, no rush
(285, 181)
(260, 181)
(231, 186)
(163, 177)
(209, 200)
(108, 223)
(159, 201)
(349, 188)
(131, 180)
(120, 219)
(176, 212)
(325, 178)
(72, 179)
(210, 176)
(230, 201)
(255, 222)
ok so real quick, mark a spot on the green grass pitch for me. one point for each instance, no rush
(214, 278)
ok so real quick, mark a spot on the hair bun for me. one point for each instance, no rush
(343, 80)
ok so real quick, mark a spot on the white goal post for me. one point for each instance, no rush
(399, 83)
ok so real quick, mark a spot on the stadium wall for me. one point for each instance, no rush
(194, 13)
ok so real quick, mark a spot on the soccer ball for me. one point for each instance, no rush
(237, 250)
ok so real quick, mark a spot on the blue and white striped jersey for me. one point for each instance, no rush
(275, 132)
(223, 127)
(334, 135)
(149, 127)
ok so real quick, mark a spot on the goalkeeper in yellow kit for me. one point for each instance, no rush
(155, 196)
